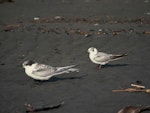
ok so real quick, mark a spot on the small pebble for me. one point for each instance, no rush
(2, 64)
(57, 17)
(86, 35)
(100, 30)
(139, 82)
(148, 13)
(36, 18)
(96, 24)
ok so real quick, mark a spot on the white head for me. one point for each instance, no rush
(27, 63)
(92, 50)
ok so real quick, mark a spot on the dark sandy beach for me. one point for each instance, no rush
(65, 29)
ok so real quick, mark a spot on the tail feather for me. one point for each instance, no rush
(118, 56)
(67, 69)
(73, 69)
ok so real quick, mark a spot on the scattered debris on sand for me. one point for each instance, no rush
(39, 25)
(133, 88)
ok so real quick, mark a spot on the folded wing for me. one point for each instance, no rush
(44, 70)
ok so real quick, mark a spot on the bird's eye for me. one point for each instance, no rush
(28, 63)
(25, 64)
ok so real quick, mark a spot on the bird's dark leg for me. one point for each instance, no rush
(99, 66)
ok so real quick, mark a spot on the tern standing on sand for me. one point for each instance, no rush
(45, 72)
(101, 58)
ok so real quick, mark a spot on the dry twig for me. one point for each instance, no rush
(135, 88)
(146, 32)
(11, 27)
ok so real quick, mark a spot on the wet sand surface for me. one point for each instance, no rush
(61, 36)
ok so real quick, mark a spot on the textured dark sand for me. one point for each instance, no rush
(90, 90)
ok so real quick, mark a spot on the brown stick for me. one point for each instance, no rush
(11, 27)
(30, 108)
(129, 90)
(132, 90)
(146, 32)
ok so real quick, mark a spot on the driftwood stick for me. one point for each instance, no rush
(132, 90)
(135, 88)
(11, 27)
(30, 108)
(147, 90)
(146, 32)
(138, 86)
(129, 90)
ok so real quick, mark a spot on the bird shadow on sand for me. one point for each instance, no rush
(54, 79)
(115, 65)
